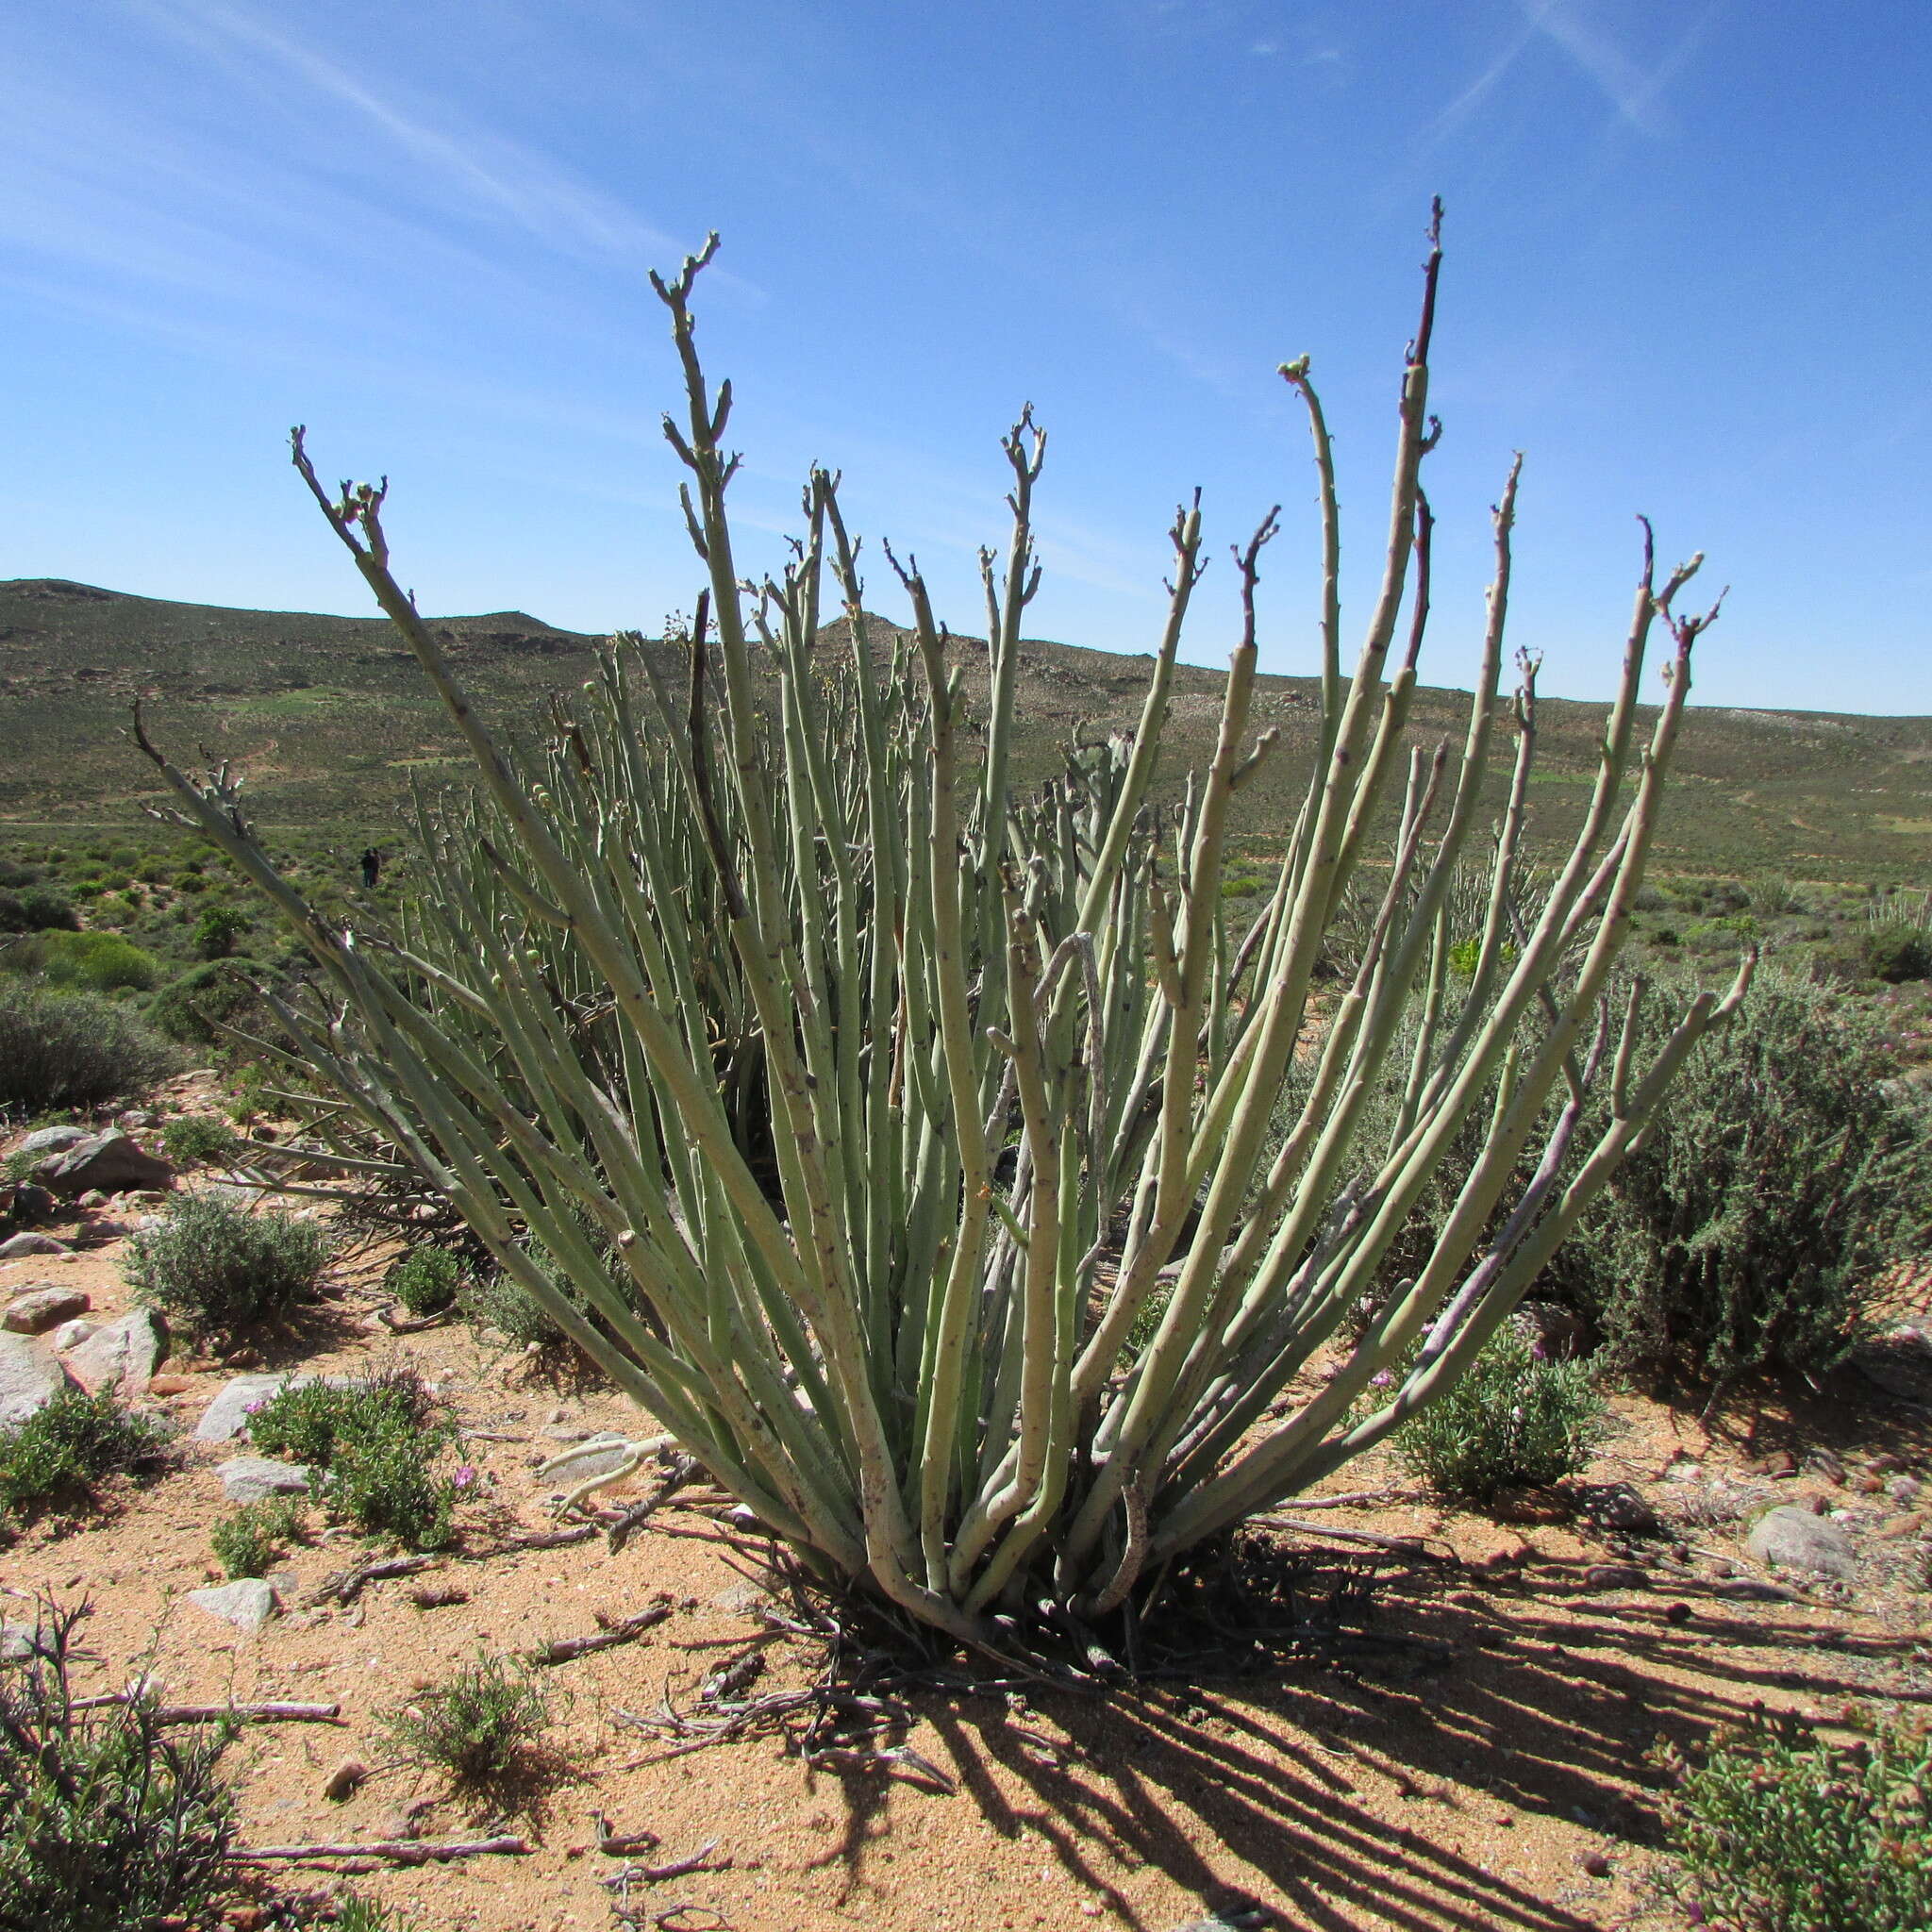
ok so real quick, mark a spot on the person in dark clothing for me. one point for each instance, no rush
(372, 867)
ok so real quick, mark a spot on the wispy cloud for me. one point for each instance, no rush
(1633, 88)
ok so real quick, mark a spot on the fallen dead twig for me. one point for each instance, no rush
(344, 1586)
(699, 1861)
(538, 1539)
(681, 1471)
(409, 1324)
(215, 1713)
(403, 1851)
(561, 1650)
(617, 1844)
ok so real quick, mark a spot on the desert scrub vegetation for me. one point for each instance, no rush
(99, 962)
(376, 1444)
(106, 1820)
(249, 1541)
(73, 1050)
(424, 1280)
(200, 1140)
(1516, 1421)
(58, 1454)
(857, 1063)
(1752, 1228)
(216, 1266)
(1778, 1830)
(481, 1727)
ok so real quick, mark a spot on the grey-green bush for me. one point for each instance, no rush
(479, 1727)
(247, 1542)
(199, 1140)
(1750, 1230)
(1514, 1422)
(215, 1268)
(74, 1050)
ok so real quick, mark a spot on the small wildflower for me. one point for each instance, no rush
(464, 1476)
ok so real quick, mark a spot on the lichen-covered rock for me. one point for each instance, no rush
(30, 1377)
(253, 1479)
(108, 1161)
(42, 1307)
(22, 1247)
(122, 1357)
(1792, 1538)
(247, 1604)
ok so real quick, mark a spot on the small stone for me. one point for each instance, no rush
(170, 1385)
(1826, 1464)
(247, 1604)
(1679, 1613)
(52, 1141)
(227, 1416)
(1815, 1501)
(30, 1377)
(567, 1432)
(1618, 1506)
(1779, 1462)
(1594, 1863)
(1905, 1488)
(1616, 1576)
(1868, 1485)
(93, 1198)
(250, 1478)
(1914, 1522)
(18, 1247)
(16, 1641)
(122, 1357)
(341, 1782)
(71, 1334)
(43, 1307)
(1794, 1539)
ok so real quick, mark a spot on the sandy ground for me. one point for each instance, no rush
(1487, 1765)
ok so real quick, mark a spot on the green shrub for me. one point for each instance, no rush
(1896, 951)
(217, 1268)
(38, 908)
(1777, 1831)
(1788, 1171)
(90, 961)
(73, 1050)
(217, 929)
(375, 1444)
(61, 1452)
(496, 1300)
(106, 1820)
(481, 1726)
(1514, 1422)
(193, 1008)
(189, 882)
(424, 1280)
(199, 1140)
(248, 1542)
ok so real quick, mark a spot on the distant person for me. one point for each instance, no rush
(372, 868)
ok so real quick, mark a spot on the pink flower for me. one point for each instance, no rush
(1381, 1378)
(464, 1477)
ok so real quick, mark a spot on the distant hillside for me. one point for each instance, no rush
(328, 717)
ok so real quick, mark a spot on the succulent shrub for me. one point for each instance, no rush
(216, 1267)
(1515, 1421)
(890, 1098)
(248, 1541)
(199, 1140)
(58, 1454)
(376, 1444)
(1778, 1830)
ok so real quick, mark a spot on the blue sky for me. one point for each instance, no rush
(1686, 274)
